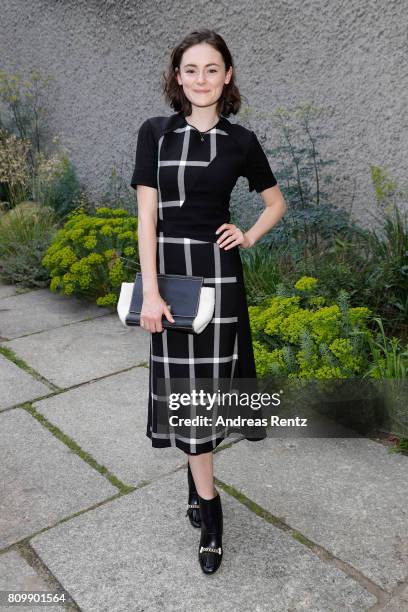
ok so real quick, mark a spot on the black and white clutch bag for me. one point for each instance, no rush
(190, 302)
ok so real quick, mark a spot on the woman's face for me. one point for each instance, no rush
(202, 74)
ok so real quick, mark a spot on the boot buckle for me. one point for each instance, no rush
(193, 505)
(209, 549)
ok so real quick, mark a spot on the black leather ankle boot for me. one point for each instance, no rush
(210, 550)
(193, 507)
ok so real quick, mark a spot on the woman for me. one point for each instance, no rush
(186, 167)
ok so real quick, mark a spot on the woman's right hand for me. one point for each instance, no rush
(153, 308)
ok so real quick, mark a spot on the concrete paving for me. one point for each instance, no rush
(77, 353)
(17, 385)
(34, 311)
(139, 549)
(8, 290)
(349, 495)
(107, 418)
(17, 575)
(87, 505)
(42, 480)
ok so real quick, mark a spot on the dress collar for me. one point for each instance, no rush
(177, 120)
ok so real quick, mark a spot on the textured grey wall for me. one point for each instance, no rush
(349, 57)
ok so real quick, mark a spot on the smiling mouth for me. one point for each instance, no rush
(200, 91)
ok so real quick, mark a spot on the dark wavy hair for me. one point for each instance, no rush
(230, 100)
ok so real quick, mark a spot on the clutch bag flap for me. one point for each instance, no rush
(181, 293)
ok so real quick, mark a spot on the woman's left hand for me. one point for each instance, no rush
(232, 236)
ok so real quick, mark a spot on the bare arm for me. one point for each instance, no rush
(275, 208)
(153, 304)
(147, 220)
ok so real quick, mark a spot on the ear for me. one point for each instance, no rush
(228, 75)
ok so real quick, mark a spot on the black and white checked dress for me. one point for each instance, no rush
(194, 174)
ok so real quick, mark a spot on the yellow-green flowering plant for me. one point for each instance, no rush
(91, 256)
(300, 336)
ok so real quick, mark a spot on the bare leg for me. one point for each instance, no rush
(203, 473)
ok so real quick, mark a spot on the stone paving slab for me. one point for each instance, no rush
(39, 310)
(398, 603)
(108, 419)
(80, 352)
(139, 552)
(7, 290)
(17, 385)
(17, 575)
(348, 495)
(41, 479)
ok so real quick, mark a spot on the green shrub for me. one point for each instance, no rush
(25, 105)
(31, 166)
(364, 266)
(402, 446)
(14, 168)
(55, 183)
(389, 358)
(118, 194)
(263, 272)
(301, 336)
(26, 231)
(389, 248)
(318, 238)
(307, 183)
(92, 255)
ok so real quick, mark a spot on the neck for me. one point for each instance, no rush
(202, 118)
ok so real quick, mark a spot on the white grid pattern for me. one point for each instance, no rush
(182, 163)
(217, 320)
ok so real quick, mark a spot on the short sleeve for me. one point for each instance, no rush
(257, 169)
(145, 170)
